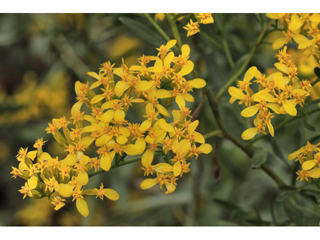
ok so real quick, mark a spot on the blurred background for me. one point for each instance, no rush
(43, 55)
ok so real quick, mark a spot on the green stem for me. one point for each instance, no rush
(120, 164)
(159, 29)
(212, 134)
(280, 125)
(174, 29)
(224, 40)
(245, 64)
(211, 39)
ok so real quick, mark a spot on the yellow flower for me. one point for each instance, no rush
(192, 28)
(159, 16)
(58, 203)
(205, 18)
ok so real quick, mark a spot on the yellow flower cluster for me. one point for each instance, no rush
(300, 28)
(152, 87)
(309, 158)
(278, 93)
(193, 27)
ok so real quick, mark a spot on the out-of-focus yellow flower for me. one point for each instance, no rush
(192, 28)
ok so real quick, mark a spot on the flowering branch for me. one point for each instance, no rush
(245, 64)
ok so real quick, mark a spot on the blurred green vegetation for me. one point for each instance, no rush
(43, 55)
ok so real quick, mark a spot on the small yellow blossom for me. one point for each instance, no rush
(192, 28)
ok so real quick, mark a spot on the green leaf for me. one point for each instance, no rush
(259, 157)
(142, 31)
(285, 195)
(238, 65)
(308, 126)
(278, 152)
(316, 101)
(300, 215)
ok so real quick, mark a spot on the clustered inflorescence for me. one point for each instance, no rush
(309, 159)
(154, 84)
(278, 93)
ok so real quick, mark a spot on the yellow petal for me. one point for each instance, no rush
(187, 68)
(295, 22)
(163, 167)
(97, 98)
(232, 100)
(249, 133)
(90, 118)
(198, 137)
(109, 104)
(82, 207)
(95, 75)
(162, 110)
(148, 183)
(65, 190)
(105, 162)
(32, 154)
(205, 148)
(168, 59)
(295, 154)
(141, 144)
(77, 87)
(33, 182)
(119, 116)
(274, 106)
(83, 178)
(250, 111)
(307, 165)
(86, 141)
(162, 93)
(171, 43)
(180, 101)
(71, 159)
(250, 74)
(198, 83)
(235, 92)
(147, 158)
(290, 108)
(122, 139)
(143, 85)
(279, 43)
(192, 127)
(185, 50)
(165, 126)
(111, 194)
(315, 173)
(299, 38)
(107, 116)
(89, 128)
(120, 87)
(132, 149)
(76, 107)
(271, 129)
(145, 125)
(45, 156)
(103, 139)
(124, 131)
(282, 67)
(177, 169)
(188, 97)
(95, 85)
(279, 81)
